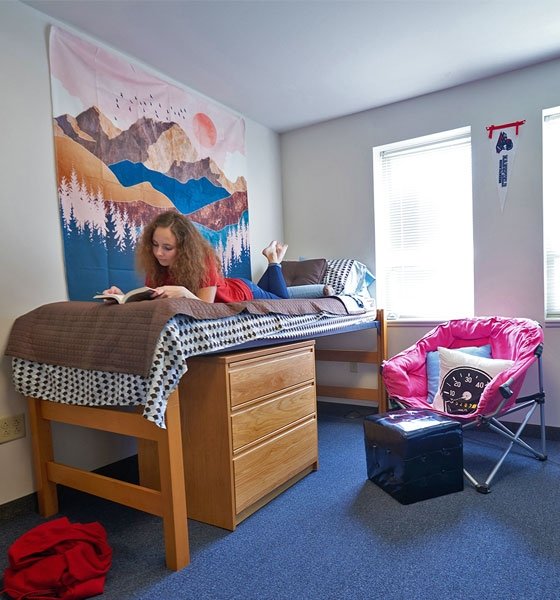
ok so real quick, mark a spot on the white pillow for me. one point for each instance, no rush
(462, 379)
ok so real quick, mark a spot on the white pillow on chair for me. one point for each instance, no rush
(462, 379)
(432, 366)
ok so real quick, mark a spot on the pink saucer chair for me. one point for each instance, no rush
(472, 370)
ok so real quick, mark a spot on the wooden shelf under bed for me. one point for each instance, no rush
(375, 357)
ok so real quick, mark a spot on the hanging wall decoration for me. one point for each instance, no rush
(128, 146)
(504, 147)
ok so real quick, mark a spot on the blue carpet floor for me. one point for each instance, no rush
(336, 535)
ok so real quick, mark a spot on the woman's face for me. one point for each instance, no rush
(164, 246)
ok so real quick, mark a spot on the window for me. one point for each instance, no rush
(424, 228)
(551, 211)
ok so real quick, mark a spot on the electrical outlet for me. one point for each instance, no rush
(12, 428)
(353, 367)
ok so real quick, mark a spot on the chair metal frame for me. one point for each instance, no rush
(493, 421)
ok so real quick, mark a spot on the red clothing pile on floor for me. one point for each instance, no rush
(58, 559)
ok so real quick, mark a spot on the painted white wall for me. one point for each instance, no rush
(264, 183)
(328, 195)
(322, 199)
(31, 263)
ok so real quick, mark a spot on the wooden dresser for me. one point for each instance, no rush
(249, 425)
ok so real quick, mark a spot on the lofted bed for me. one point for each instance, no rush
(221, 398)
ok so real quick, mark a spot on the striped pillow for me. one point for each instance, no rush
(348, 276)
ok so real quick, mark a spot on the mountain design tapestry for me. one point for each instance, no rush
(129, 146)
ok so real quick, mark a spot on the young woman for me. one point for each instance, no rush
(179, 263)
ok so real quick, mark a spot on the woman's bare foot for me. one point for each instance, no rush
(328, 290)
(270, 252)
(281, 250)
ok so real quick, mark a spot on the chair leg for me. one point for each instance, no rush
(515, 438)
(480, 487)
(543, 432)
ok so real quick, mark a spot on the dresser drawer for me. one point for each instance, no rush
(264, 468)
(252, 423)
(253, 379)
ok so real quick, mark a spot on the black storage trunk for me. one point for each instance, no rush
(414, 454)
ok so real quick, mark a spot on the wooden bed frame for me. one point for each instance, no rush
(169, 499)
(376, 356)
(168, 502)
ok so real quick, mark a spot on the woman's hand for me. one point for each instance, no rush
(206, 294)
(173, 291)
(113, 290)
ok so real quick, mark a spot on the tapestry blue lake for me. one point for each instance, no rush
(186, 197)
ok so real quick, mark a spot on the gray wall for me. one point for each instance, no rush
(328, 193)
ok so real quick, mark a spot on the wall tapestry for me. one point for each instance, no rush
(128, 146)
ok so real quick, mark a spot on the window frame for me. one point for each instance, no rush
(551, 181)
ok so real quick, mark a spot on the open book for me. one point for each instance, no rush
(142, 293)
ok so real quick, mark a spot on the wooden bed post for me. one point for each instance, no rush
(41, 444)
(382, 352)
(172, 483)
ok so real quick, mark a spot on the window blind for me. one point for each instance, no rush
(423, 227)
(551, 211)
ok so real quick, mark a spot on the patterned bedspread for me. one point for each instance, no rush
(182, 337)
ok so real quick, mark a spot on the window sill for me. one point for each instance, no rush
(416, 323)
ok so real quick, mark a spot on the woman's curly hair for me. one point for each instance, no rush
(194, 253)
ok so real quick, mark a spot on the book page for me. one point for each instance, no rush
(143, 293)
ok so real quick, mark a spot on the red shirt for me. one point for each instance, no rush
(227, 289)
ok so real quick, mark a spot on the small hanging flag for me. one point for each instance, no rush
(503, 150)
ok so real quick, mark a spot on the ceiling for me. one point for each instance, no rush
(291, 63)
